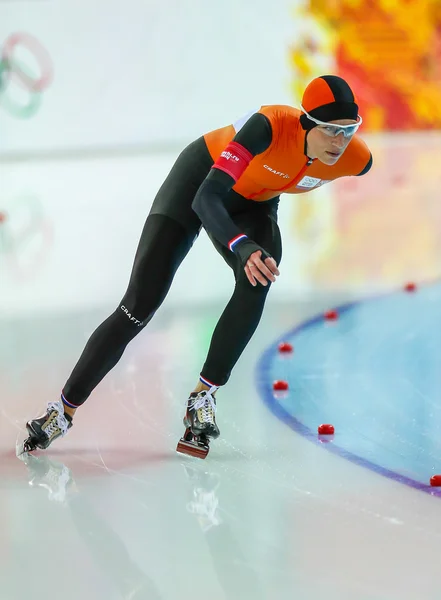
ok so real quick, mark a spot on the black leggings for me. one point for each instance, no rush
(163, 245)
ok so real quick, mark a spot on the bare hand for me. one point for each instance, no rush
(261, 271)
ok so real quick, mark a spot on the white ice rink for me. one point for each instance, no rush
(113, 512)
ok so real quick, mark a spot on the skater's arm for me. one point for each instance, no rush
(254, 138)
(210, 208)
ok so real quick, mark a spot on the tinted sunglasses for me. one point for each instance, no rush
(332, 129)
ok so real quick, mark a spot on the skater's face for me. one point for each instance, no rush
(327, 143)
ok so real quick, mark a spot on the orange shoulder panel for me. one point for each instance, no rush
(218, 139)
(284, 167)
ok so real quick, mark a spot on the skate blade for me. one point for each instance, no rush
(25, 447)
(192, 449)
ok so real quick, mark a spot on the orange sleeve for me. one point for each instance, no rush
(281, 118)
(361, 157)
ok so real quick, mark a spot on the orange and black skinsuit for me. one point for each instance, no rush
(228, 181)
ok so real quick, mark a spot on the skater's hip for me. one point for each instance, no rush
(175, 197)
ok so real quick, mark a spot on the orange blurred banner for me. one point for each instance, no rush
(388, 50)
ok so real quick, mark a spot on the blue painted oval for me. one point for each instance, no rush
(375, 374)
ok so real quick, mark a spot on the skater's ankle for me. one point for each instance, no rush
(200, 387)
(69, 411)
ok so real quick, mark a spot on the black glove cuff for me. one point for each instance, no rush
(245, 248)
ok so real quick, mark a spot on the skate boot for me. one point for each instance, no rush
(200, 424)
(47, 428)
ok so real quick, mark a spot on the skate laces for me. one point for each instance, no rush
(205, 404)
(58, 423)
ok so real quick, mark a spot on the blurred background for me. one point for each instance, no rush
(97, 99)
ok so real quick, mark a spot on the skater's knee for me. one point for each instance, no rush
(253, 293)
(138, 305)
(133, 315)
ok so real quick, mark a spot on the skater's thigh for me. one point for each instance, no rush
(261, 227)
(172, 225)
(175, 197)
(163, 245)
(264, 230)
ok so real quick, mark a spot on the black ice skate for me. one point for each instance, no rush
(200, 423)
(47, 428)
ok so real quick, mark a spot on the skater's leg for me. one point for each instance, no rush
(242, 314)
(170, 230)
(168, 234)
(231, 335)
(163, 245)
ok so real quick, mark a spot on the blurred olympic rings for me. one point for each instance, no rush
(26, 237)
(14, 71)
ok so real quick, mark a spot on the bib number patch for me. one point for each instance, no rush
(308, 182)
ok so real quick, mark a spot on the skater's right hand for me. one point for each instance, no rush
(259, 266)
(262, 271)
